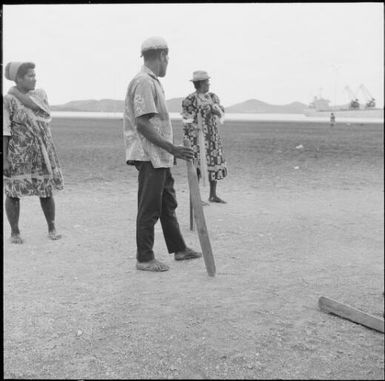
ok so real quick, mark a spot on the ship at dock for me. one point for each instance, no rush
(354, 109)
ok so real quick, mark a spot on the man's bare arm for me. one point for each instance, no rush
(145, 127)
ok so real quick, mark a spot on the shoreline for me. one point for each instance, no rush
(247, 118)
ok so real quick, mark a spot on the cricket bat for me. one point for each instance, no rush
(199, 217)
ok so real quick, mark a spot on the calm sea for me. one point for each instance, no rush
(229, 117)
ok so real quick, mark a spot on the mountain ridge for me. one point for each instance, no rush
(174, 105)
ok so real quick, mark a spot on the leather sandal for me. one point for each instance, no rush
(217, 199)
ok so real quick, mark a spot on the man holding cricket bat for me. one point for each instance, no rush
(148, 138)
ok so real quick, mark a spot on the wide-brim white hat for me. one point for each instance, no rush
(200, 75)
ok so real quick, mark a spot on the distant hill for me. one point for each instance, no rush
(255, 106)
(109, 105)
(175, 105)
(103, 105)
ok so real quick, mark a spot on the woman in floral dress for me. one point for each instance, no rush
(202, 110)
(30, 163)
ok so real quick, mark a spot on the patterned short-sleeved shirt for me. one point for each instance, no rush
(145, 95)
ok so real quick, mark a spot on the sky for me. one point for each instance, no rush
(277, 53)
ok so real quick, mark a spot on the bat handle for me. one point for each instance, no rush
(187, 144)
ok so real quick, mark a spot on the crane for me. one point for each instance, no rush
(354, 103)
(370, 101)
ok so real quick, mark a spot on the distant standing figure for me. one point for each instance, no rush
(148, 137)
(202, 111)
(30, 162)
(332, 119)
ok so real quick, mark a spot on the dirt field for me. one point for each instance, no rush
(300, 223)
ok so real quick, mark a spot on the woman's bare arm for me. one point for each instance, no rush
(24, 99)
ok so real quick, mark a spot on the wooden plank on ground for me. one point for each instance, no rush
(199, 217)
(347, 312)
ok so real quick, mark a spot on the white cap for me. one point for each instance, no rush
(153, 43)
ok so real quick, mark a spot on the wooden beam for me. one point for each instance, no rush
(199, 217)
(191, 215)
(351, 313)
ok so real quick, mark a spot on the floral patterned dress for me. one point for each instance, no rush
(34, 164)
(200, 103)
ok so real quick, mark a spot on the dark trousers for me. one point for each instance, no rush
(156, 199)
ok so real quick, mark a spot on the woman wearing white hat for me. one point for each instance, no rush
(30, 163)
(202, 113)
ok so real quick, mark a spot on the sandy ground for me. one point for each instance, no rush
(77, 308)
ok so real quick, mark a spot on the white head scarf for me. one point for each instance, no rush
(11, 70)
